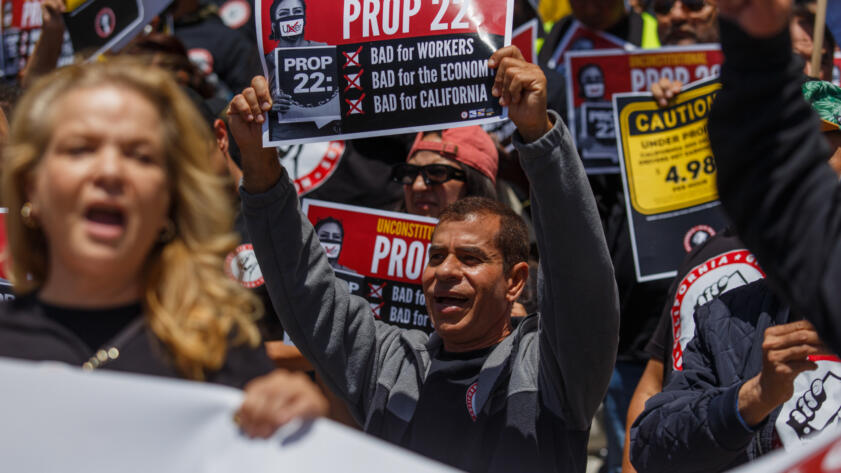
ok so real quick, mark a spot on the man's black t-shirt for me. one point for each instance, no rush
(445, 426)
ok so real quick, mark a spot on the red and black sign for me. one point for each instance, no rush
(381, 255)
(395, 66)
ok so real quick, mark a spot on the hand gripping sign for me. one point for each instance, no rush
(381, 255)
(377, 67)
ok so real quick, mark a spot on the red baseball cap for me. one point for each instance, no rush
(470, 145)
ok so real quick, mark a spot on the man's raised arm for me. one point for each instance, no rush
(334, 330)
(579, 325)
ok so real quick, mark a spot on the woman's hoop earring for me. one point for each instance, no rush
(26, 216)
(168, 232)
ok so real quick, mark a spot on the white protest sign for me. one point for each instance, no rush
(58, 418)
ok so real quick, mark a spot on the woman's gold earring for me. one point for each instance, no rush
(26, 215)
(168, 232)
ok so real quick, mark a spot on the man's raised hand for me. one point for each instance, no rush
(521, 86)
(260, 166)
(759, 18)
(785, 352)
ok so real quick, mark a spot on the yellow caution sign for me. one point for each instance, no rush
(666, 151)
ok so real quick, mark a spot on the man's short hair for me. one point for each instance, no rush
(512, 239)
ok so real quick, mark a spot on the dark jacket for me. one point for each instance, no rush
(26, 333)
(544, 381)
(773, 177)
(218, 49)
(694, 425)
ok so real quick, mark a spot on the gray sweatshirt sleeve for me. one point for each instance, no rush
(579, 321)
(334, 330)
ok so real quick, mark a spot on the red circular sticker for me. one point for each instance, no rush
(311, 164)
(105, 22)
(202, 59)
(697, 235)
(471, 400)
(241, 266)
(235, 13)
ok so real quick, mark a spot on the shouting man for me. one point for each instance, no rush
(479, 393)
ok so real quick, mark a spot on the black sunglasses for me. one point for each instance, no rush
(406, 173)
(663, 7)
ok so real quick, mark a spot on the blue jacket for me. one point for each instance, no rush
(694, 424)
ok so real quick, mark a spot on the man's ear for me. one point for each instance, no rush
(516, 279)
(220, 132)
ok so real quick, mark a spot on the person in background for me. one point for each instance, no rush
(780, 193)
(445, 166)
(779, 401)
(756, 377)
(167, 52)
(802, 28)
(117, 233)
(609, 16)
(227, 57)
(686, 22)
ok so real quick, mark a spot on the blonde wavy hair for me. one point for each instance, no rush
(190, 304)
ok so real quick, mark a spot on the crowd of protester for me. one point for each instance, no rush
(129, 181)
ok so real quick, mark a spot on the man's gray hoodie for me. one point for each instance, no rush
(546, 379)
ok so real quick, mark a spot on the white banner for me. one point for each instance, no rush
(58, 418)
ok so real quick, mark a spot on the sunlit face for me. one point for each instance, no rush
(682, 26)
(100, 192)
(466, 289)
(432, 199)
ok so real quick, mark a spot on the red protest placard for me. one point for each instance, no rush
(381, 255)
(594, 76)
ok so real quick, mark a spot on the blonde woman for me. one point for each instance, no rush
(117, 229)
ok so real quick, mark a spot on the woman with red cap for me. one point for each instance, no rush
(444, 166)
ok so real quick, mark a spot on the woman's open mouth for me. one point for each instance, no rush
(105, 222)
